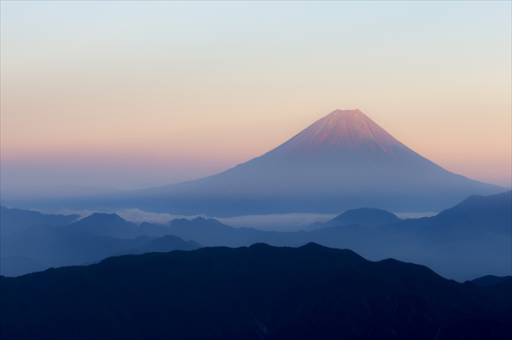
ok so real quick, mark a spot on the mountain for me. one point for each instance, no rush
(343, 161)
(102, 224)
(260, 292)
(210, 232)
(161, 245)
(365, 217)
(39, 247)
(57, 246)
(465, 241)
(113, 225)
(472, 239)
(16, 219)
(490, 280)
(494, 211)
(30, 246)
(476, 214)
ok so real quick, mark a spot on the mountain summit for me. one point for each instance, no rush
(341, 130)
(347, 138)
(342, 161)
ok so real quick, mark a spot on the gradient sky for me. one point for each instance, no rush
(136, 94)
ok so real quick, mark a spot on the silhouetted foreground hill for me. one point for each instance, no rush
(490, 280)
(260, 292)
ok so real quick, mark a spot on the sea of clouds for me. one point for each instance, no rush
(276, 222)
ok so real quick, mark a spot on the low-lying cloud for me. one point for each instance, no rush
(280, 222)
(276, 222)
(139, 216)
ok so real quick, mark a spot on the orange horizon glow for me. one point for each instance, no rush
(220, 155)
(171, 91)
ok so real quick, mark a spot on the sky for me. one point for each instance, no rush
(138, 94)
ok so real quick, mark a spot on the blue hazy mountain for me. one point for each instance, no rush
(260, 292)
(471, 239)
(474, 238)
(342, 161)
(56, 246)
(113, 225)
(89, 240)
(490, 214)
(161, 245)
(364, 217)
(16, 219)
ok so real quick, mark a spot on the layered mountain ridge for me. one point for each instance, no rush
(468, 240)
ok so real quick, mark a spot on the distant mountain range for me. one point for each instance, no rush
(260, 292)
(115, 226)
(343, 161)
(161, 245)
(12, 220)
(31, 241)
(474, 238)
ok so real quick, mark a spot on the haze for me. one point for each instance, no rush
(132, 94)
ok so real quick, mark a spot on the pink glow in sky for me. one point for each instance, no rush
(134, 94)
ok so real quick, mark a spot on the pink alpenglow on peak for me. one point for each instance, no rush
(344, 129)
(342, 161)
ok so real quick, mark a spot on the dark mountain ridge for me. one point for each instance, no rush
(260, 292)
(490, 280)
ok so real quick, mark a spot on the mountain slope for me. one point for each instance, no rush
(343, 161)
(114, 225)
(57, 246)
(477, 214)
(365, 217)
(463, 242)
(490, 280)
(28, 248)
(260, 292)
(13, 220)
(494, 211)
(161, 245)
